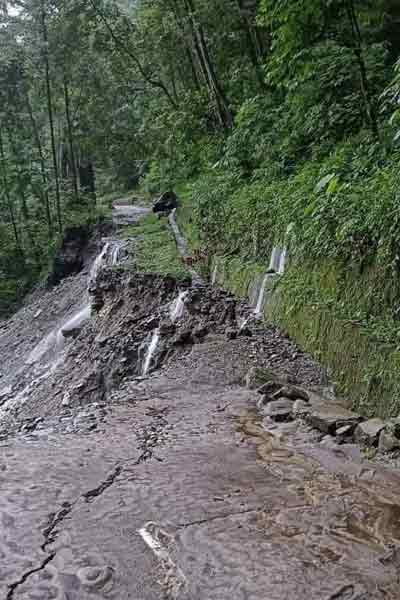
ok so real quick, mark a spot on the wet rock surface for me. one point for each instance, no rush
(178, 485)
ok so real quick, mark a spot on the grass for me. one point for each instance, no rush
(155, 249)
(185, 217)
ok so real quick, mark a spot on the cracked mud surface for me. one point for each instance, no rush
(236, 511)
(172, 487)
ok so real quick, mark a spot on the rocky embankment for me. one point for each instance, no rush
(165, 450)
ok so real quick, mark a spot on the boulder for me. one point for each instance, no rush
(257, 376)
(73, 332)
(388, 442)
(279, 410)
(165, 203)
(245, 332)
(183, 336)
(329, 419)
(270, 388)
(199, 333)
(344, 432)
(393, 426)
(293, 392)
(231, 333)
(367, 433)
(301, 407)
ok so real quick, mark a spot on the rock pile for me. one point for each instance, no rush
(282, 400)
(128, 308)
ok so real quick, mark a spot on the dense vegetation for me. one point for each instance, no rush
(280, 116)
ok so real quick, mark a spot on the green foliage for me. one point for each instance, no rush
(274, 111)
(155, 249)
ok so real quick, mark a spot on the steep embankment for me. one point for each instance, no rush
(345, 313)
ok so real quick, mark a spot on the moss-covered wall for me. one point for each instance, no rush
(329, 310)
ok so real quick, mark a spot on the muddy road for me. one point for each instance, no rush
(176, 486)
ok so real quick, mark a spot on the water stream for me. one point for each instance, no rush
(177, 310)
(55, 340)
(178, 306)
(155, 338)
(276, 267)
(214, 274)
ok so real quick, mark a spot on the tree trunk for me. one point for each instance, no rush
(364, 84)
(50, 112)
(87, 178)
(70, 139)
(8, 197)
(253, 43)
(42, 166)
(187, 46)
(221, 103)
(26, 217)
(121, 46)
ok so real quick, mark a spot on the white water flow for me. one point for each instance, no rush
(260, 301)
(55, 340)
(275, 260)
(277, 265)
(282, 261)
(155, 338)
(178, 306)
(214, 274)
(98, 262)
(115, 254)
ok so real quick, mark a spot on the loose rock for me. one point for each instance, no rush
(279, 410)
(256, 377)
(344, 433)
(367, 433)
(330, 418)
(300, 407)
(388, 442)
(293, 392)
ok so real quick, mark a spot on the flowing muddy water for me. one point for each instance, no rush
(351, 510)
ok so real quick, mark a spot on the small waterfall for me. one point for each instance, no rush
(76, 322)
(214, 274)
(260, 301)
(275, 260)
(178, 306)
(115, 254)
(42, 348)
(98, 262)
(277, 265)
(282, 261)
(155, 338)
(55, 340)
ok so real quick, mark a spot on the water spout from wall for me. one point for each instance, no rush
(260, 301)
(282, 261)
(276, 267)
(275, 260)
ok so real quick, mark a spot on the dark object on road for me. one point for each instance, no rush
(166, 202)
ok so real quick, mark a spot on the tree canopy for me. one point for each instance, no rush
(160, 91)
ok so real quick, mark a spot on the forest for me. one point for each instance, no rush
(276, 118)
